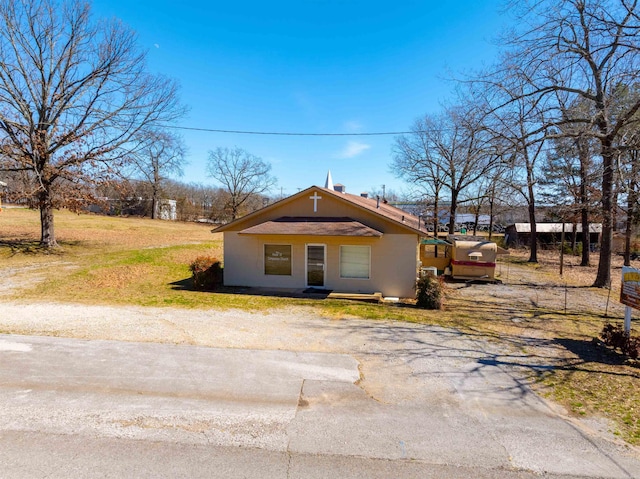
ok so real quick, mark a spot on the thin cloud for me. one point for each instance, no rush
(353, 149)
(353, 126)
(305, 102)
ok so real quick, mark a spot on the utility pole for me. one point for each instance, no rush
(562, 248)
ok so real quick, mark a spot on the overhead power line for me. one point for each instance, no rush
(285, 133)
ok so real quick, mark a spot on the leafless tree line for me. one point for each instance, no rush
(193, 201)
(554, 120)
(137, 195)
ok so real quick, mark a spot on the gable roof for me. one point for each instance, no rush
(377, 208)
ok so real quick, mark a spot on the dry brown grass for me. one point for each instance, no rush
(186, 256)
(19, 225)
(573, 274)
(117, 277)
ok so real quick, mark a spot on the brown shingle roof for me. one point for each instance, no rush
(383, 209)
(313, 226)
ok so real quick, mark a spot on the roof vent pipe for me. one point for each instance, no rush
(378, 203)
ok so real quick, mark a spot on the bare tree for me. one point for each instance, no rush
(570, 51)
(516, 128)
(242, 174)
(159, 155)
(197, 202)
(415, 162)
(73, 95)
(570, 183)
(452, 150)
(386, 195)
(483, 196)
(629, 178)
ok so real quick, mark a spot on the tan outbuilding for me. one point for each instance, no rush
(474, 259)
(324, 239)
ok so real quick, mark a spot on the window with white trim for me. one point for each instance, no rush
(355, 262)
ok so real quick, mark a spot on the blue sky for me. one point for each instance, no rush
(317, 66)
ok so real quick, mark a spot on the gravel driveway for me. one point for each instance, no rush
(425, 393)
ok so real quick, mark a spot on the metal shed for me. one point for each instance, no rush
(519, 234)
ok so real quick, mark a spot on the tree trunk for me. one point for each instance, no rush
(627, 237)
(614, 207)
(436, 216)
(583, 151)
(533, 237)
(632, 206)
(154, 207)
(632, 200)
(47, 232)
(155, 190)
(586, 237)
(234, 210)
(491, 216)
(452, 212)
(603, 277)
(154, 201)
(475, 222)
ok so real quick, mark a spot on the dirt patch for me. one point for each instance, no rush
(16, 278)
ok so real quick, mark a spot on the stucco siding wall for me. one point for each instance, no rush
(392, 271)
(395, 270)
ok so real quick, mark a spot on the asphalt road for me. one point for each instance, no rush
(428, 403)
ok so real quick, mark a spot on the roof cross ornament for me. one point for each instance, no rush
(315, 199)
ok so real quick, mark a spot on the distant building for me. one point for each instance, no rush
(166, 210)
(519, 234)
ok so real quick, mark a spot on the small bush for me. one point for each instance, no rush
(207, 273)
(633, 348)
(501, 242)
(567, 248)
(429, 292)
(616, 337)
